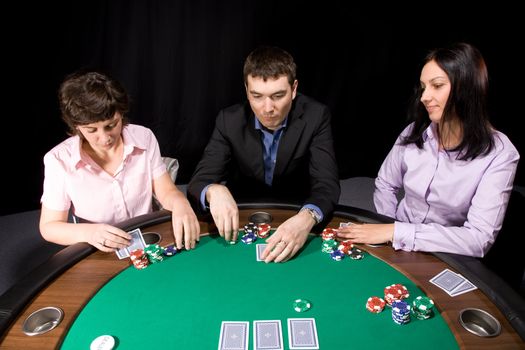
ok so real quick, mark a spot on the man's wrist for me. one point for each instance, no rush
(314, 215)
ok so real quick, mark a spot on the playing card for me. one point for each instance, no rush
(259, 249)
(464, 287)
(302, 333)
(137, 242)
(122, 253)
(345, 224)
(267, 335)
(234, 335)
(447, 280)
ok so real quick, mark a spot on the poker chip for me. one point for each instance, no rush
(301, 305)
(375, 304)
(328, 233)
(139, 259)
(395, 292)
(328, 246)
(400, 312)
(422, 307)
(104, 342)
(251, 228)
(170, 250)
(263, 230)
(337, 255)
(249, 238)
(356, 253)
(345, 247)
(154, 253)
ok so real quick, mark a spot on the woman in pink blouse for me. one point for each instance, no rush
(455, 169)
(107, 171)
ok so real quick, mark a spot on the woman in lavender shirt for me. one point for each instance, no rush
(456, 170)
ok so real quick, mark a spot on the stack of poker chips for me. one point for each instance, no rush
(250, 233)
(375, 304)
(263, 230)
(400, 312)
(328, 246)
(395, 292)
(154, 252)
(337, 250)
(328, 233)
(345, 246)
(139, 259)
(422, 307)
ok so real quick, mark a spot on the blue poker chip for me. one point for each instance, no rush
(337, 255)
(249, 238)
(170, 250)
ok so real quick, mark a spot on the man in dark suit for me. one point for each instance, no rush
(277, 146)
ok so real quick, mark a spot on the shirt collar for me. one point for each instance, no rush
(130, 144)
(430, 132)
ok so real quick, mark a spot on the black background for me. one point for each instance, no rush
(181, 61)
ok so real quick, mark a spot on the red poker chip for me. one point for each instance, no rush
(375, 304)
(263, 230)
(328, 233)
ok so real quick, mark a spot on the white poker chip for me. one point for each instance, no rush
(104, 342)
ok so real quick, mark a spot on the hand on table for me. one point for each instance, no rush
(288, 238)
(185, 225)
(224, 211)
(107, 238)
(366, 233)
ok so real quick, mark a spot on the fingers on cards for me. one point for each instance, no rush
(137, 242)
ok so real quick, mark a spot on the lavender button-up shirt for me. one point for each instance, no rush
(449, 205)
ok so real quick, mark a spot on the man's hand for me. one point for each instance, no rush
(224, 211)
(288, 238)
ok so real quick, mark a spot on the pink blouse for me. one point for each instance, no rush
(73, 179)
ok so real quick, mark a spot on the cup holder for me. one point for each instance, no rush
(151, 237)
(260, 217)
(42, 320)
(479, 322)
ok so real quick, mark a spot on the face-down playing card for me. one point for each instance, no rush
(234, 335)
(302, 333)
(267, 335)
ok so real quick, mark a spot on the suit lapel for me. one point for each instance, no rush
(254, 149)
(289, 139)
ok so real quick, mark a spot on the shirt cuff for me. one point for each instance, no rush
(316, 209)
(204, 205)
(404, 235)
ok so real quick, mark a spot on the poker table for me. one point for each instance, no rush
(179, 303)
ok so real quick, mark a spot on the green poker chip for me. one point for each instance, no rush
(301, 305)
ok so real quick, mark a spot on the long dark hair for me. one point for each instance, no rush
(467, 72)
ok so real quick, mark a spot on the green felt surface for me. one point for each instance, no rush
(181, 302)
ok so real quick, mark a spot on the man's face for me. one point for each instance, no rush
(271, 100)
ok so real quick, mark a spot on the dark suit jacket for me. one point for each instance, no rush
(305, 169)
